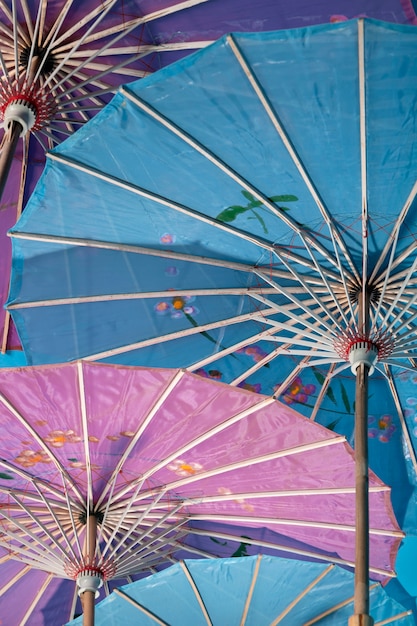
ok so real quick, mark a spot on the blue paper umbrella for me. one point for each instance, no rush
(254, 591)
(249, 214)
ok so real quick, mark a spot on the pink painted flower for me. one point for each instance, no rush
(381, 428)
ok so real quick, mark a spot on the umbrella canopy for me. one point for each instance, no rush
(254, 268)
(257, 591)
(64, 59)
(110, 471)
(61, 62)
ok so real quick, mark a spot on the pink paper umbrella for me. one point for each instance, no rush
(106, 470)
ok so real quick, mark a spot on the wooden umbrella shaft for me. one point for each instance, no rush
(8, 150)
(361, 615)
(88, 597)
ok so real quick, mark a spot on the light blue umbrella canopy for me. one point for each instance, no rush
(255, 591)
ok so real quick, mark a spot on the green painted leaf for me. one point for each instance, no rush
(319, 376)
(249, 196)
(231, 213)
(284, 198)
(330, 395)
(221, 543)
(345, 398)
(333, 425)
(5, 476)
(261, 221)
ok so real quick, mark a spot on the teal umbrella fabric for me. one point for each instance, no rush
(254, 591)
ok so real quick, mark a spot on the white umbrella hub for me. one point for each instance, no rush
(358, 348)
(30, 106)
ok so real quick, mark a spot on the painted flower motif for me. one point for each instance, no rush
(182, 468)
(215, 374)
(29, 458)
(93, 439)
(225, 491)
(177, 307)
(167, 239)
(58, 438)
(254, 351)
(113, 437)
(255, 387)
(381, 428)
(127, 433)
(171, 270)
(297, 392)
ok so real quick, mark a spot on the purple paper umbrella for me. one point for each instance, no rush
(110, 472)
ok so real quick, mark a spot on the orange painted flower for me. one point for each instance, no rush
(29, 458)
(57, 438)
(182, 468)
(225, 491)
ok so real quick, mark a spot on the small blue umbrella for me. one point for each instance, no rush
(250, 591)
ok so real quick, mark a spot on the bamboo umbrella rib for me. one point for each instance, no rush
(335, 608)
(282, 548)
(84, 426)
(323, 390)
(41, 526)
(35, 481)
(302, 595)
(8, 405)
(57, 523)
(4, 69)
(31, 75)
(36, 599)
(127, 26)
(248, 462)
(392, 236)
(222, 166)
(273, 116)
(193, 330)
(400, 293)
(25, 570)
(98, 11)
(132, 528)
(393, 618)
(35, 561)
(363, 157)
(215, 430)
(169, 254)
(92, 35)
(145, 533)
(28, 19)
(196, 593)
(238, 291)
(286, 493)
(163, 396)
(140, 607)
(145, 48)
(16, 29)
(140, 191)
(55, 28)
(315, 298)
(251, 590)
(298, 303)
(245, 519)
(404, 428)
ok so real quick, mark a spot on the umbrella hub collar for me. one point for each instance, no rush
(28, 105)
(363, 351)
(367, 349)
(90, 578)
